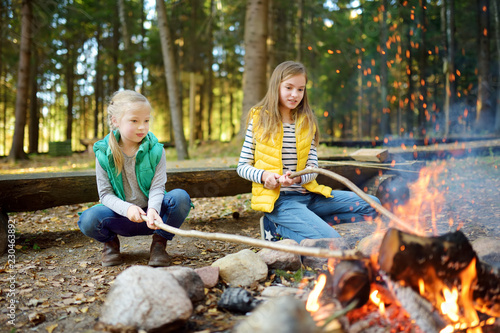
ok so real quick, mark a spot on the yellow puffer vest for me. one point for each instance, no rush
(268, 157)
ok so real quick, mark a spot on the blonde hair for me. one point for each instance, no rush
(120, 103)
(271, 120)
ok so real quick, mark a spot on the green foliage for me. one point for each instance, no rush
(340, 47)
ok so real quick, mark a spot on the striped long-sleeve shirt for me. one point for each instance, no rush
(246, 167)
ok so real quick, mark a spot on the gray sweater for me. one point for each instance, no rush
(133, 193)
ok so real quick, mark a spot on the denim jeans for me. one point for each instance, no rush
(102, 224)
(309, 216)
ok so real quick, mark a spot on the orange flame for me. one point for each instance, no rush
(312, 304)
(426, 201)
(377, 300)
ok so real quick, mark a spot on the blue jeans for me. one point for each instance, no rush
(309, 216)
(103, 224)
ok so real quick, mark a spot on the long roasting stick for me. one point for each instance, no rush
(379, 208)
(296, 249)
(302, 250)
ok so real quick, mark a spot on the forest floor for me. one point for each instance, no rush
(60, 284)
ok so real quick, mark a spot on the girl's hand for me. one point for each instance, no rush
(270, 180)
(285, 179)
(134, 214)
(152, 217)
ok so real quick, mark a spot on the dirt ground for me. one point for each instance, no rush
(60, 284)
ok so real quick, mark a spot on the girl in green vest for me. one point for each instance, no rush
(281, 138)
(131, 174)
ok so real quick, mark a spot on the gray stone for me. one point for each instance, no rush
(148, 299)
(278, 291)
(189, 280)
(371, 243)
(209, 275)
(279, 315)
(242, 268)
(325, 243)
(488, 250)
(281, 260)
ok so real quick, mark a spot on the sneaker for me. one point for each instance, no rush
(268, 230)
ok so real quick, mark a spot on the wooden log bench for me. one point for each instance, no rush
(37, 191)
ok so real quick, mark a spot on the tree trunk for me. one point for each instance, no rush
(143, 43)
(449, 71)
(300, 29)
(210, 73)
(34, 115)
(255, 59)
(422, 66)
(192, 109)
(70, 84)
(496, 22)
(409, 73)
(17, 150)
(172, 85)
(484, 116)
(385, 126)
(97, 83)
(115, 42)
(127, 61)
(201, 107)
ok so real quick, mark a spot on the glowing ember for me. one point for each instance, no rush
(312, 304)
(377, 300)
(450, 307)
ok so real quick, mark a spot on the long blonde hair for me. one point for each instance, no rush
(270, 121)
(120, 103)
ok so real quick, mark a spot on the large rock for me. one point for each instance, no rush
(242, 268)
(279, 315)
(370, 244)
(281, 260)
(147, 298)
(325, 243)
(487, 250)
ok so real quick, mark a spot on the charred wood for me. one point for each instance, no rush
(417, 307)
(410, 258)
(351, 282)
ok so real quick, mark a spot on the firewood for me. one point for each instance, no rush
(417, 307)
(351, 282)
(370, 155)
(410, 258)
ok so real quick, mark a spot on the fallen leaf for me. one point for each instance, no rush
(36, 318)
(51, 328)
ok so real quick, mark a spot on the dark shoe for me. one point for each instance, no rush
(111, 253)
(158, 256)
(268, 230)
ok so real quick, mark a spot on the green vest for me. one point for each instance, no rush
(268, 157)
(147, 158)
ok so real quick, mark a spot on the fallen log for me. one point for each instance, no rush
(415, 259)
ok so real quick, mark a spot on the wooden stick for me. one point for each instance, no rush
(296, 249)
(379, 208)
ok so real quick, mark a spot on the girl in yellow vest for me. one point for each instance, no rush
(281, 138)
(131, 173)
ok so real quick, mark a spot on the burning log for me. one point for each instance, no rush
(425, 315)
(427, 264)
(351, 282)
